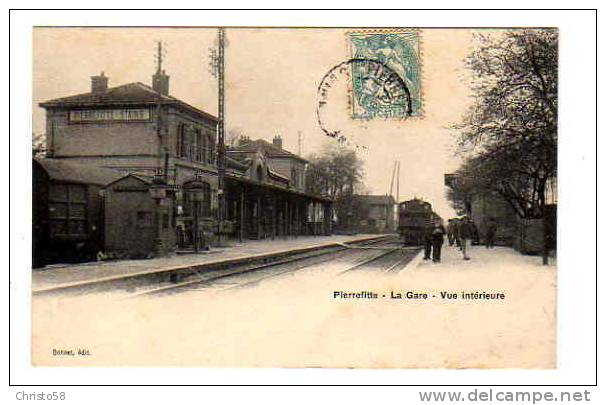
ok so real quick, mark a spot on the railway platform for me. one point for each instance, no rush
(481, 259)
(62, 277)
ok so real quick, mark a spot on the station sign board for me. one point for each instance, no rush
(104, 115)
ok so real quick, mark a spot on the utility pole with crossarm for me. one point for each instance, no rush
(217, 65)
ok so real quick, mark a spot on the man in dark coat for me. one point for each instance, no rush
(456, 231)
(427, 241)
(450, 228)
(437, 239)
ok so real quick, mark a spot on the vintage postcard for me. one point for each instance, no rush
(295, 197)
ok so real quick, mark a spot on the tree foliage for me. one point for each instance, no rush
(337, 173)
(509, 135)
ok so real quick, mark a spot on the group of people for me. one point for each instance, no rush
(460, 231)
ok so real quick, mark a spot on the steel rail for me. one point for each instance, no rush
(332, 250)
(369, 260)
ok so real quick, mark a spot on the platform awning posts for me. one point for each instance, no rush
(267, 211)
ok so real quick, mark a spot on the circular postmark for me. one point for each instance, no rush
(373, 90)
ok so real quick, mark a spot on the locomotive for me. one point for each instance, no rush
(414, 216)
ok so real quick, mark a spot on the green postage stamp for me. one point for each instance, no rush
(386, 75)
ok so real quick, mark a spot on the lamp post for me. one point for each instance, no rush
(157, 191)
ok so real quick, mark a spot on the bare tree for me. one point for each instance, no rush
(509, 135)
(510, 132)
(234, 135)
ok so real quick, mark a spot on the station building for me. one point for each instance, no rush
(164, 153)
(266, 193)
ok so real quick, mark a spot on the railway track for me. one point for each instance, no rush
(391, 260)
(363, 254)
(139, 282)
(382, 254)
(272, 269)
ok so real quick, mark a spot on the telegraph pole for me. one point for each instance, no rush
(221, 132)
(398, 184)
(393, 175)
(162, 147)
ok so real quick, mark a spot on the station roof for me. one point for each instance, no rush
(375, 199)
(249, 146)
(128, 94)
(69, 172)
(245, 180)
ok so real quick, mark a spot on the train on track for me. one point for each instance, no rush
(414, 216)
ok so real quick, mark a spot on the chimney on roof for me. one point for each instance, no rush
(277, 141)
(160, 78)
(160, 82)
(98, 84)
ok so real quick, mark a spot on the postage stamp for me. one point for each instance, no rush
(390, 87)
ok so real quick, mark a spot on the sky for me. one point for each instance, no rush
(272, 77)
